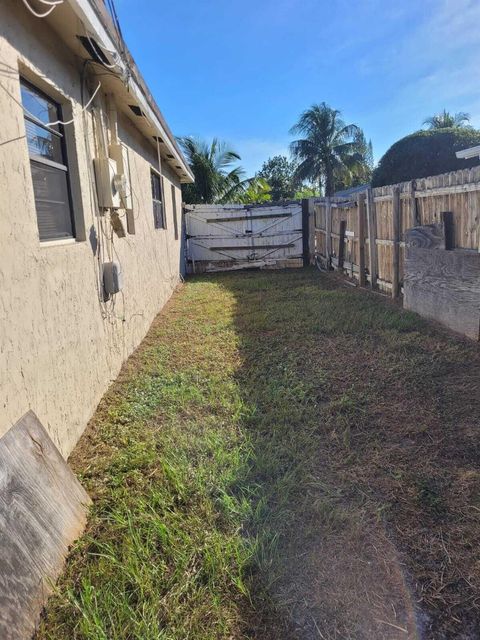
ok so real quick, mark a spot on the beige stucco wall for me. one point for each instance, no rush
(60, 345)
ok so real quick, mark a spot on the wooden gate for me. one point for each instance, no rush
(226, 237)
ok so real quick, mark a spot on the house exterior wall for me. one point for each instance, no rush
(61, 345)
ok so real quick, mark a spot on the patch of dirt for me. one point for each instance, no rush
(350, 586)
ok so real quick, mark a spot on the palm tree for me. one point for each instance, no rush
(329, 148)
(216, 177)
(362, 173)
(258, 191)
(445, 120)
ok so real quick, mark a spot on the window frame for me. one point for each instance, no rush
(40, 160)
(163, 223)
(173, 191)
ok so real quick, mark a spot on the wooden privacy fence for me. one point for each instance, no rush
(365, 236)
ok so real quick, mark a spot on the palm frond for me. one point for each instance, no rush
(445, 119)
(211, 164)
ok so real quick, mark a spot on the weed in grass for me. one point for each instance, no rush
(429, 496)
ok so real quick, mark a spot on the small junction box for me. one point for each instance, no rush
(112, 278)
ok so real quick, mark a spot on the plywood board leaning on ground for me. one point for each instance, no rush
(43, 510)
(444, 286)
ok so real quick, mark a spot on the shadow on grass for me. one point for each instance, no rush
(282, 458)
(363, 425)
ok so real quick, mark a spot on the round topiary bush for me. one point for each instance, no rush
(425, 153)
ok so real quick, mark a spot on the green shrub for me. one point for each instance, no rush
(425, 153)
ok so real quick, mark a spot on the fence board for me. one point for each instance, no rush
(372, 238)
(397, 226)
(361, 239)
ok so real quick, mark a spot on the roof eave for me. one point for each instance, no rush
(97, 20)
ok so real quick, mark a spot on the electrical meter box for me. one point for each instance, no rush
(112, 278)
(119, 153)
(107, 185)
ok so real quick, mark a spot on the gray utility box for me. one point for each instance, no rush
(112, 278)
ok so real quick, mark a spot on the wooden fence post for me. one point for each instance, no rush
(305, 232)
(414, 218)
(341, 245)
(361, 239)
(372, 238)
(312, 232)
(396, 241)
(328, 229)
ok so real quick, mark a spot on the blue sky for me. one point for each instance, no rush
(243, 71)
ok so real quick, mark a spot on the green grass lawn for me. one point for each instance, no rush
(283, 457)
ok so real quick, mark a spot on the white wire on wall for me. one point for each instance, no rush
(53, 4)
(52, 124)
(101, 235)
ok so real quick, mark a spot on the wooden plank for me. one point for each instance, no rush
(305, 232)
(428, 236)
(372, 237)
(383, 198)
(42, 511)
(444, 286)
(350, 266)
(351, 204)
(438, 235)
(388, 243)
(206, 266)
(414, 217)
(384, 284)
(445, 191)
(246, 218)
(328, 219)
(288, 245)
(311, 231)
(396, 240)
(361, 240)
(433, 191)
(341, 244)
(347, 266)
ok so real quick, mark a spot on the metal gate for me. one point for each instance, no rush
(225, 237)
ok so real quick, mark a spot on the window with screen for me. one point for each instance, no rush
(158, 211)
(48, 160)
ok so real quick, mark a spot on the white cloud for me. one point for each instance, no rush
(431, 64)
